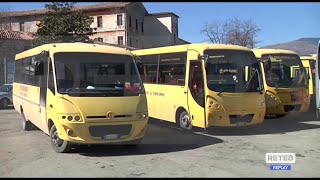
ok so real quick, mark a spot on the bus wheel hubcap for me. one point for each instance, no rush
(185, 121)
(55, 138)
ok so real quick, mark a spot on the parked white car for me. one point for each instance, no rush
(5, 95)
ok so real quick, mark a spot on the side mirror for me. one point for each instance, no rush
(38, 68)
(137, 61)
(204, 57)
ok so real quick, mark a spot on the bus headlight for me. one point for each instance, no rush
(142, 115)
(77, 118)
(215, 105)
(272, 99)
(71, 118)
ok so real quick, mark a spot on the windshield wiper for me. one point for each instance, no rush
(255, 72)
(220, 92)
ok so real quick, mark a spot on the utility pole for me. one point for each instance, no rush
(5, 70)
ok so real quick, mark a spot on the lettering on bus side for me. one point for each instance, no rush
(24, 91)
(155, 93)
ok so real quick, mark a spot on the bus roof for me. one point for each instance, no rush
(308, 58)
(183, 48)
(73, 47)
(260, 52)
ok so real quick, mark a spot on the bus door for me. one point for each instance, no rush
(196, 97)
(43, 90)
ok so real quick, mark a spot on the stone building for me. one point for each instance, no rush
(11, 43)
(119, 23)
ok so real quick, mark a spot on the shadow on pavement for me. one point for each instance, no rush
(158, 139)
(291, 123)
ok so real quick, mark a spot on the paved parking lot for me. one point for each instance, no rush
(167, 152)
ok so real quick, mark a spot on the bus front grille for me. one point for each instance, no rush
(105, 117)
(238, 118)
(100, 131)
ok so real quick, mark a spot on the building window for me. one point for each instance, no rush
(141, 26)
(99, 39)
(119, 19)
(130, 42)
(120, 40)
(130, 24)
(21, 26)
(136, 24)
(99, 21)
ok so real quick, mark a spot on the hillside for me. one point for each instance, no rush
(303, 46)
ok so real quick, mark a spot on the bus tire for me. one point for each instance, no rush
(26, 125)
(58, 145)
(184, 121)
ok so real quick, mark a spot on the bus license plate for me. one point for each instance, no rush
(111, 136)
(241, 123)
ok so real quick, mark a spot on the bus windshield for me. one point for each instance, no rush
(286, 70)
(233, 71)
(97, 74)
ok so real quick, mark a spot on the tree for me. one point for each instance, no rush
(215, 32)
(232, 31)
(64, 24)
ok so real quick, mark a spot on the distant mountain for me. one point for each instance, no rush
(303, 46)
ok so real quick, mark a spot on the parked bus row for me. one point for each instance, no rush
(222, 85)
(89, 93)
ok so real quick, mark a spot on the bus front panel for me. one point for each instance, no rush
(99, 98)
(286, 83)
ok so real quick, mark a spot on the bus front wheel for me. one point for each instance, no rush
(59, 145)
(185, 121)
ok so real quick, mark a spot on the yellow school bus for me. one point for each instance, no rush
(203, 85)
(309, 64)
(317, 82)
(80, 93)
(285, 81)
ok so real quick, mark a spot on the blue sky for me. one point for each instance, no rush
(279, 22)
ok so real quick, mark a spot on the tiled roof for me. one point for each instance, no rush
(84, 8)
(17, 35)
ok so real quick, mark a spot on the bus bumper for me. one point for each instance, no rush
(284, 109)
(235, 119)
(102, 133)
